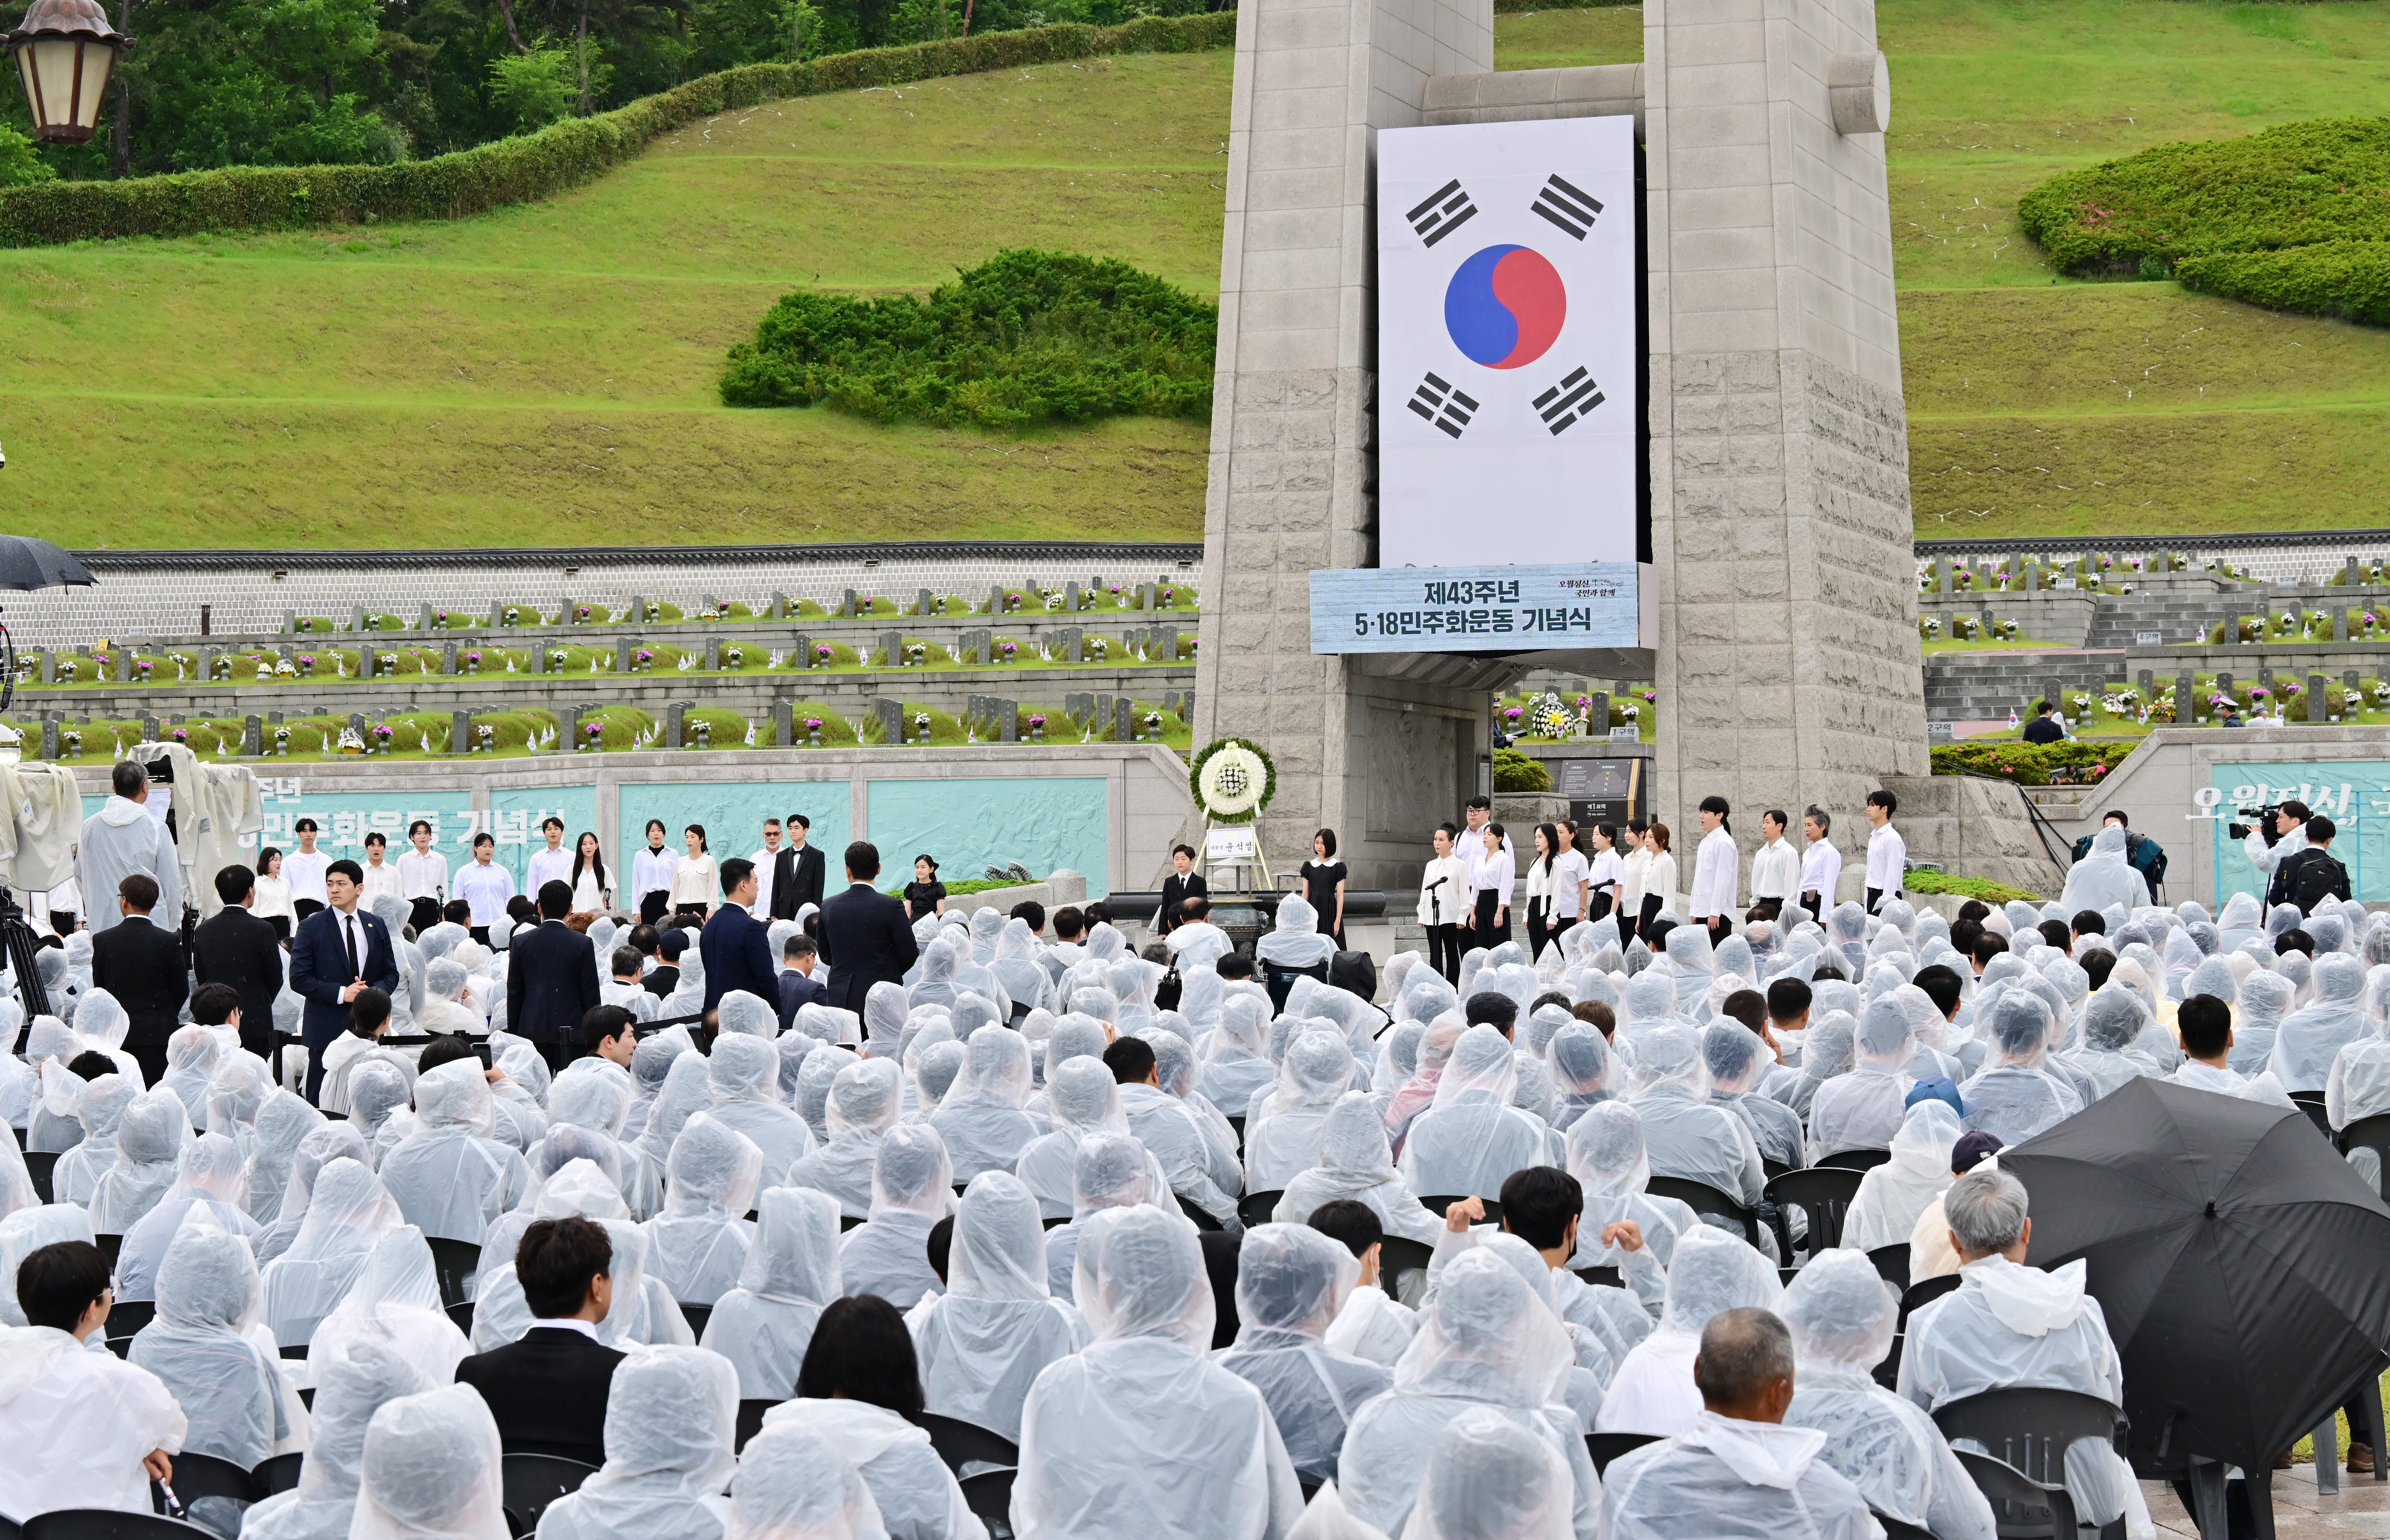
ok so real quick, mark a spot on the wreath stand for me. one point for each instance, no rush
(1269, 883)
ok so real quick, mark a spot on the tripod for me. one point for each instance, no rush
(17, 941)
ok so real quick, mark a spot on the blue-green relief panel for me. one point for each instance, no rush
(971, 825)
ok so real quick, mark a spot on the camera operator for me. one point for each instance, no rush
(2270, 849)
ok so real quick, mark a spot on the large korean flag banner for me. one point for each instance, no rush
(1507, 352)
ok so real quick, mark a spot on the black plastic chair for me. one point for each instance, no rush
(2311, 1103)
(1398, 1258)
(1896, 1529)
(298, 1352)
(697, 1315)
(750, 1421)
(532, 1481)
(1239, 1124)
(39, 1165)
(110, 1246)
(2030, 1428)
(1887, 1373)
(1600, 1277)
(462, 1313)
(278, 1474)
(2371, 1133)
(989, 1495)
(1701, 1197)
(1202, 1220)
(848, 1221)
(127, 1316)
(2022, 1509)
(197, 1476)
(1917, 1295)
(1892, 1264)
(1310, 1487)
(1057, 1221)
(1605, 1447)
(1857, 1160)
(456, 1262)
(107, 1523)
(960, 1443)
(1437, 1203)
(1280, 981)
(1824, 1194)
(1255, 1208)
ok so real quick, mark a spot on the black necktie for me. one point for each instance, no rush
(349, 925)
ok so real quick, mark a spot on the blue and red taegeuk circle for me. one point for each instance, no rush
(1505, 306)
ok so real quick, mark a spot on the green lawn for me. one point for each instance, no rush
(546, 374)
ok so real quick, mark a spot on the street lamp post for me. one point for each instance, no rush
(65, 51)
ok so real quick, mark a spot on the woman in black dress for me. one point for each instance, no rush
(925, 895)
(1323, 885)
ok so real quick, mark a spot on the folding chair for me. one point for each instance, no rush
(1701, 1197)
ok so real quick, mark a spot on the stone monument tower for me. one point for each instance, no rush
(1787, 660)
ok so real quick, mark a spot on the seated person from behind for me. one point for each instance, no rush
(548, 1392)
(2009, 1326)
(607, 1032)
(1738, 1470)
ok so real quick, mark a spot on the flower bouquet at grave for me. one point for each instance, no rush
(921, 727)
(351, 741)
(2009, 630)
(141, 669)
(1037, 727)
(1007, 651)
(704, 731)
(66, 670)
(488, 737)
(1154, 725)
(1928, 628)
(1550, 718)
(915, 654)
(643, 660)
(181, 734)
(1965, 628)
(591, 733)
(439, 621)
(1098, 645)
(813, 725)
(1166, 598)
(734, 656)
(823, 655)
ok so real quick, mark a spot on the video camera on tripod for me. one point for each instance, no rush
(2262, 819)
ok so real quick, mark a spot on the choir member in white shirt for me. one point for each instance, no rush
(651, 875)
(423, 876)
(1571, 881)
(593, 885)
(484, 886)
(1490, 883)
(694, 889)
(1821, 864)
(381, 876)
(1634, 872)
(1716, 863)
(1477, 814)
(1888, 852)
(271, 903)
(303, 868)
(1606, 875)
(1775, 866)
(552, 865)
(1659, 878)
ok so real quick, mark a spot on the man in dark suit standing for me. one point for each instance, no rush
(798, 871)
(736, 945)
(552, 980)
(238, 948)
(547, 1391)
(142, 965)
(337, 952)
(865, 937)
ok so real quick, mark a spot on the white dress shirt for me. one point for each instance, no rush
(695, 881)
(305, 871)
(1887, 859)
(1471, 850)
(1715, 864)
(1608, 870)
(651, 872)
(1447, 904)
(765, 861)
(380, 879)
(273, 898)
(485, 890)
(1495, 873)
(1634, 871)
(588, 896)
(1569, 873)
(423, 875)
(547, 865)
(1821, 869)
(1775, 872)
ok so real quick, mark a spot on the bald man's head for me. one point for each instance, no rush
(1744, 1369)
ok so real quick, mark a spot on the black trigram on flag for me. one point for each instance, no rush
(1570, 209)
(1567, 401)
(1446, 407)
(1445, 210)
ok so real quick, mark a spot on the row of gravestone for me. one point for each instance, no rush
(1943, 573)
(851, 603)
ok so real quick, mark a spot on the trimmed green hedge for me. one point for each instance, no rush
(2300, 185)
(538, 166)
(2030, 763)
(1982, 888)
(2348, 280)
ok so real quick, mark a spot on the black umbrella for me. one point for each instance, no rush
(2243, 1268)
(26, 562)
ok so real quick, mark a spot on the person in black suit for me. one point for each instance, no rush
(1182, 884)
(865, 936)
(142, 965)
(736, 945)
(552, 980)
(799, 988)
(797, 871)
(337, 952)
(547, 1391)
(238, 948)
(664, 977)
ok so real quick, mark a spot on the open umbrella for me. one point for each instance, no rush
(2244, 1267)
(26, 562)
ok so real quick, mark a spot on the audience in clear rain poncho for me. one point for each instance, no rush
(848, 1216)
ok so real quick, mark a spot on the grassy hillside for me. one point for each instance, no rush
(547, 374)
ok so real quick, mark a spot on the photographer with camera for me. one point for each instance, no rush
(2314, 874)
(2276, 833)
